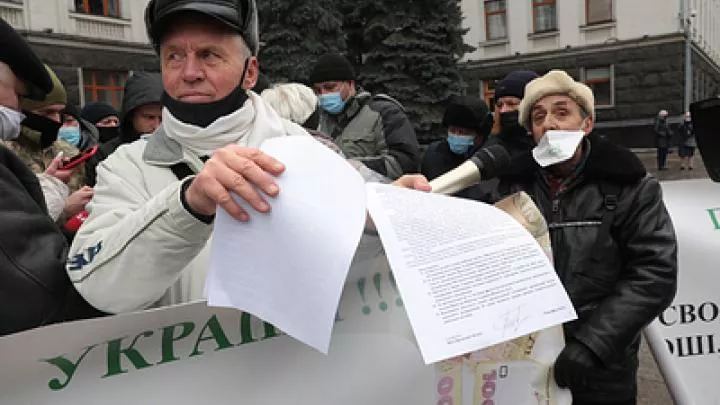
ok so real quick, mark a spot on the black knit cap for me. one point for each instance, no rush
(514, 84)
(468, 112)
(332, 67)
(96, 111)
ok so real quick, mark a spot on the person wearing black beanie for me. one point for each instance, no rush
(370, 128)
(468, 121)
(104, 117)
(507, 130)
(100, 114)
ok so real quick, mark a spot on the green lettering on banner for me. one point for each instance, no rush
(270, 331)
(246, 329)
(216, 333)
(67, 367)
(169, 338)
(714, 212)
(115, 351)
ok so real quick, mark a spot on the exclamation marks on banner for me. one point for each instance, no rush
(398, 301)
(361, 287)
(377, 280)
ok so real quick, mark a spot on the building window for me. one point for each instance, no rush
(487, 91)
(103, 85)
(602, 82)
(598, 11)
(495, 19)
(544, 16)
(107, 8)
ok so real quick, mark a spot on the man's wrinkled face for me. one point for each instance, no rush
(558, 112)
(147, 118)
(202, 62)
(346, 89)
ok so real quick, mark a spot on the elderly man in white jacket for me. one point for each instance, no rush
(145, 243)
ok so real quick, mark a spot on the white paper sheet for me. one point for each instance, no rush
(469, 274)
(289, 267)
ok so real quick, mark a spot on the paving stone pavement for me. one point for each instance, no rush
(649, 159)
(652, 389)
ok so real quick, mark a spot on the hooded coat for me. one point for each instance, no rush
(141, 88)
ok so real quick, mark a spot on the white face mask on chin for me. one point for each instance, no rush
(557, 146)
(10, 123)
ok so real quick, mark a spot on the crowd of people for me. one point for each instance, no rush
(138, 215)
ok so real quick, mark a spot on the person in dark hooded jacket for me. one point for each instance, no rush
(104, 117)
(507, 130)
(89, 135)
(141, 114)
(468, 121)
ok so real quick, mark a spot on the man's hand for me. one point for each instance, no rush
(413, 181)
(243, 171)
(55, 169)
(78, 200)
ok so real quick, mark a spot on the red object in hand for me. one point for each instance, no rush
(73, 224)
(79, 158)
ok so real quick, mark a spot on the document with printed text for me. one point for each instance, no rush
(471, 276)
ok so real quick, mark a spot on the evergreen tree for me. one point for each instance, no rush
(408, 50)
(294, 34)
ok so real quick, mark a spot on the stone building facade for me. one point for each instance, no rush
(633, 56)
(92, 45)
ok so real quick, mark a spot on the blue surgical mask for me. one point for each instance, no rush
(332, 103)
(460, 144)
(70, 135)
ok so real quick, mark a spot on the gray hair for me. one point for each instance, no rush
(244, 48)
(292, 101)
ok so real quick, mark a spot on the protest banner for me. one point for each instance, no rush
(685, 338)
(189, 354)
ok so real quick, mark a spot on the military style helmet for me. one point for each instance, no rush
(238, 15)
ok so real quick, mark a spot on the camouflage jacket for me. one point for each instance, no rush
(38, 159)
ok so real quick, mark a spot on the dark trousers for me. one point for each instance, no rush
(662, 157)
(628, 402)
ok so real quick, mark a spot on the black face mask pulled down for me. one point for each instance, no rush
(513, 134)
(203, 114)
(39, 129)
(108, 133)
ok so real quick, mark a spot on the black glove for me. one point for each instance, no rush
(574, 365)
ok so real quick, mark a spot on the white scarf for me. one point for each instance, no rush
(249, 126)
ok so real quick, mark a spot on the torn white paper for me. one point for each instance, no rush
(469, 274)
(288, 267)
